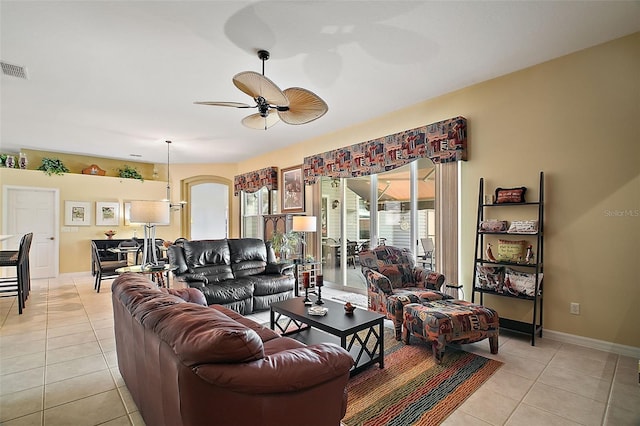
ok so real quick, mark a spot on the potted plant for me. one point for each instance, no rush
(129, 172)
(53, 166)
(284, 243)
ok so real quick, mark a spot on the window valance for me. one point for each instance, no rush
(253, 181)
(442, 142)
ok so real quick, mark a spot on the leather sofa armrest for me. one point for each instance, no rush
(194, 280)
(377, 282)
(279, 268)
(286, 371)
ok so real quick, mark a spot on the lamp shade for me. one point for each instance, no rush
(152, 212)
(304, 224)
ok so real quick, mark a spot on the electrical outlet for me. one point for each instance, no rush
(574, 308)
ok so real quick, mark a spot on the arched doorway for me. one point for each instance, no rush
(208, 209)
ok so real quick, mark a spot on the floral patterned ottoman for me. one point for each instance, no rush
(446, 321)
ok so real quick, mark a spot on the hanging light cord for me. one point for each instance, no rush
(168, 185)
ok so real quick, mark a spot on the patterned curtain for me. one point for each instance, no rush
(442, 142)
(253, 181)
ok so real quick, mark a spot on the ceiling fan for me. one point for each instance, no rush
(293, 106)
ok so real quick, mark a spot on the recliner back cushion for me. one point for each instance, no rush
(210, 258)
(248, 256)
(177, 259)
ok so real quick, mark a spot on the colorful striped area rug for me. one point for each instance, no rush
(412, 389)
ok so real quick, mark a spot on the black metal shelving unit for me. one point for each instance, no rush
(535, 326)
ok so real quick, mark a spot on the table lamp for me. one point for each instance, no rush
(303, 224)
(150, 213)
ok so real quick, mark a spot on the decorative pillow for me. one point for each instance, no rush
(524, 226)
(489, 278)
(521, 283)
(511, 251)
(434, 281)
(510, 195)
(493, 226)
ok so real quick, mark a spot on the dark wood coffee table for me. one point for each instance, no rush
(361, 333)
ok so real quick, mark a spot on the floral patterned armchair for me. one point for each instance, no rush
(393, 281)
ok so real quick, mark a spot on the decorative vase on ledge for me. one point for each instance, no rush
(22, 161)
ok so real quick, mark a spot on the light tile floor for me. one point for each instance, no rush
(58, 367)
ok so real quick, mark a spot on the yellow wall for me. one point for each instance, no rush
(575, 118)
(74, 241)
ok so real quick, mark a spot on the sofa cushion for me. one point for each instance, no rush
(248, 267)
(242, 249)
(214, 273)
(176, 257)
(400, 275)
(271, 284)
(248, 256)
(187, 294)
(228, 291)
(265, 333)
(275, 346)
(200, 335)
(206, 252)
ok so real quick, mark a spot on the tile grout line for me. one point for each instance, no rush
(610, 394)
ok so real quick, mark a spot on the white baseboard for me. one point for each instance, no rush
(630, 351)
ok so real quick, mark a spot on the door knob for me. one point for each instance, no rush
(52, 238)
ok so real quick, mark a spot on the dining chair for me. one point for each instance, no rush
(428, 247)
(19, 259)
(128, 247)
(352, 252)
(105, 269)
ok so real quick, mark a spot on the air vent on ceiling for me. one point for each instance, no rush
(14, 70)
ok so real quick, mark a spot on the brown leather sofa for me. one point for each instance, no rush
(188, 364)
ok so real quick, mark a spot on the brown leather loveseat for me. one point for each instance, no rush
(188, 364)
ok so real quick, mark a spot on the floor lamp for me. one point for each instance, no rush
(149, 213)
(303, 224)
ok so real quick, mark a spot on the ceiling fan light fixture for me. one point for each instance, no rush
(259, 122)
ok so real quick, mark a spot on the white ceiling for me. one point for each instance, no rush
(116, 78)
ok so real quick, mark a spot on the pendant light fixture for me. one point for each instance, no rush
(182, 203)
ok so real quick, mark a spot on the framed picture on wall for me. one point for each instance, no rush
(292, 189)
(77, 213)
(107, 214)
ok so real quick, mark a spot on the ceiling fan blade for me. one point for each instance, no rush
(226, 104)
(256, 85)
(304, 106)
(258, 122)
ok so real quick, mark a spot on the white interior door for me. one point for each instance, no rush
(28, 209)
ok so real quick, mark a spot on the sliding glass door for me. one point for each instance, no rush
(403, 204)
